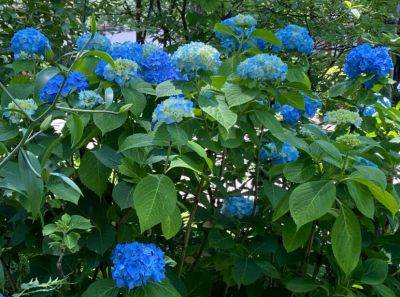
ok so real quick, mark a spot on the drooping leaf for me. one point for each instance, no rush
(102, 288)
(171, 225)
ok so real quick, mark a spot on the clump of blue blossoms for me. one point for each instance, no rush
(262, 67)
(287, 154)
(292, 115)
(28, 42)
(98, 42)
(238, 207)
(157, 66)
(89, 99)
(121, 72)
(196, 56)
(127, 50)
(365, 162)
(343, 117)
(75, 81)
(289, 114)
(370, 110)
(365, 59)
(173, 110)
(295, 38)
(243, 26)
(135, 264)
(27, 105)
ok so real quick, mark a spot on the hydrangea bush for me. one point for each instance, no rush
(214, 170)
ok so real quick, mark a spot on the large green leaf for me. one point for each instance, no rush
(299, 171)
(102, 288)
(151, 289)
(311, 201)
(138, 100)
(267, 35)
(293, 238)
(384, 291)
(154, 199)
(245, 271)
(167, 89)
(301, 285)
(346, 240)
(122, 194)
(108, 122)
(140, 140)
(375, 271)
(93, 174)
(362, 198)
(75, 126)
(171, 225)
(7, 132)
(101, 239)
(235, 95)
(219, 110)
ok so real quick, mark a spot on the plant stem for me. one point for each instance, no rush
(85, 110)
(15, 101)
(189, 226)
(168, 155)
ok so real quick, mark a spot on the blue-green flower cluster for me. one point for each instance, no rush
(365, 59)
(365, 162)
(173, 110)
(262, 67)
(99, 42)
(135, 264)
(295, 38)
(243, 26)
(89, 99)
(196, 56)
(27, 105)
(343, 117)
(121, 72)
(28, 42)
(75, 81)
(349, 140)
(238, 207)
(287, 153)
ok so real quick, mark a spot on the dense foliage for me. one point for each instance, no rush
(223, 168)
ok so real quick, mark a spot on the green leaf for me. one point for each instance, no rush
(296, 74)
(370, 173)
(63, 191)
(93, 24)
(268, 269)
(171, 225)
(281, 208)
(267, 36)
(329, 149)
(178, 135)
(99, 54)
(43, 77)
(75, 126)
(79, 223)
(362, 198)
(107, 122)
(7, 132)
(346, 240)
(102, 288)
(138, 100)
(235, 95)
(108, 156)
(140, 140)
(219, 110)
(184, 161)
(299, 171)
(122, 195)
(218, 27)
(167, 89)
(93, 174)
(245, 271)
(340, 88)
(301, 285)
(375, 271)
(71, 241)
(201, 152)
(292, 98)
(2, 277)
(101, 239)
(311, 200)
(293, 238)
(384, 291)
(384, 197)
(220, 240)
(163, 289)
(29, 167)
(154, 199)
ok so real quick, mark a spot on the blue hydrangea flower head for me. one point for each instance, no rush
(135, 264)
(385, 102)
(196, 56)
(268, 151)
(149, 48)
(238, 207)
(75, 81)
(287, 154)
(365, 59)
(127, 50)
(311, 106)
(157, 67)
(27, 105)
(29, 42)
(122, 71)
(369, 111)
(262, 67)
(99, 42)
(89, 99)
(290, 114)
(243, 26)
(173, 110)
(295, 38)
(365, 162)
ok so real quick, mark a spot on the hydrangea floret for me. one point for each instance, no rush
(262, 67)
(15, 115)
(173, 110)
(196, 56)
(121, 72)
(288, 153)
(343, 117)
(89, 99)
(238, 207)
(29, 42)
(350, 140)
(98, 42)
(295, 38)
(135, 264)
